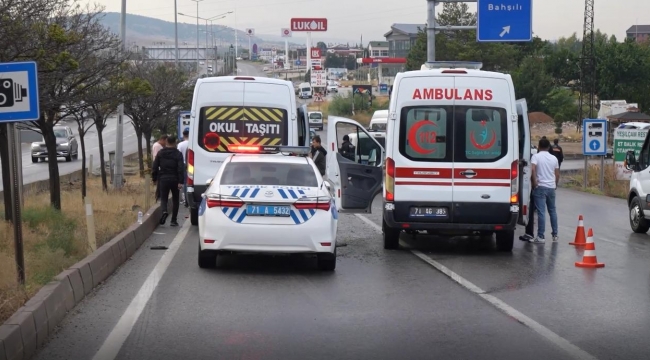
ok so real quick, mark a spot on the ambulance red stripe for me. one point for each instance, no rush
(445, 173)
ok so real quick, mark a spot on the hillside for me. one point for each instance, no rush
(145, 30)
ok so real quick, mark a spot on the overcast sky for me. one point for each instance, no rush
(349, 19)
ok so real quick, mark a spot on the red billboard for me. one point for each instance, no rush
(315, 53)
(308, 24)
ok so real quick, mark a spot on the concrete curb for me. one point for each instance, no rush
(30, 326)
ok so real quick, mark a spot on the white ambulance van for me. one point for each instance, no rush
(241, 110)
(457, 156)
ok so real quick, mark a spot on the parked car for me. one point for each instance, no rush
(66, 145)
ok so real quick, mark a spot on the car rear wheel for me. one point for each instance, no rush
(505, 240)
(207, 259)
(34, 159)
(391, 236)
(327, 261)
(194, 216)
(638, 222)
(68, 158)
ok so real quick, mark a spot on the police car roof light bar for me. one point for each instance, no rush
(269, 149)
(471, 65)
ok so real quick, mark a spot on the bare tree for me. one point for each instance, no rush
(155, 89)
(70, 41)
(84, 123)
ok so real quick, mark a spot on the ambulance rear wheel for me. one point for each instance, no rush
(391, 236)
(505, 240)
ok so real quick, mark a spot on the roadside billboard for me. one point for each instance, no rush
(626, 140)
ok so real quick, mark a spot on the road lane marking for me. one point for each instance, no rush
(113, 343)
(556, 339)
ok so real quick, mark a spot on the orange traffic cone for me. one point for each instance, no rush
(580, 233)
(589, 258)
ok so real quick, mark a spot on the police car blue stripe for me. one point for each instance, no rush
(304, 215)
(301, 192)
(244, 193)
(202, 207)
(254, 194)
(292, 193)
(295, 217)
(225, 210)
(234, 193)
(241, 217)
(233, 213)
(283, 194)
(312, 212)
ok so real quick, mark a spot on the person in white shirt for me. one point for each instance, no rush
(545, 177)
(182, 147)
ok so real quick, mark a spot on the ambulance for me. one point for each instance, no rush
(457, 156)
(238, 110)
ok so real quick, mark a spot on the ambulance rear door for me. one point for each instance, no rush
(525, 170)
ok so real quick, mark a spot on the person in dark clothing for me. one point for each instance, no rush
(318, 154)
(556, 150)
(169, 172)
(347, 149)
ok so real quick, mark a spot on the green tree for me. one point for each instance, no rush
(532, 82)
(562, 106)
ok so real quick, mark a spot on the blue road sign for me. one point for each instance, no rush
(594, 137)
(298, 62)
(18, 92)
(504, 20)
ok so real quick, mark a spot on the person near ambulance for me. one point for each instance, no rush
(318, 154)
(556, 150)
(545, 177)
(182, 147)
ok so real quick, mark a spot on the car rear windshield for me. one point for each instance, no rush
(220, 126)
(453, 133)
(263, 173)
(306, 89)
(315, 116)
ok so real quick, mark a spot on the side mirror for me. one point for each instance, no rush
(630, 160)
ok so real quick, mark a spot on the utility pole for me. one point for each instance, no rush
(432, 26)
(176, 32)
(119, 131)
(197, 35)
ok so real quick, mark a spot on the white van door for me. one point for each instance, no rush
(355, 179)
(524, 162)
(303, 126)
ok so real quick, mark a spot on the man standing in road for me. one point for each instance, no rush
(169, 173)
(155, 148)
(318, 154)
(556, 150)
(182, 147)
(545, 177)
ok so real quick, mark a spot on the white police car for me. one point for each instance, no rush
(263, 202)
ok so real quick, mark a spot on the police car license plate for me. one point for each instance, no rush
(429, 212)
(268, 210)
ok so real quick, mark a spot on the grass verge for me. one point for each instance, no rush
(53, 240)
(612, 187)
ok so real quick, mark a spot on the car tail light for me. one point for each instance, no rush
(216, 200)
(317, 203)
(190, 168)
(514, 182)
(390, 179)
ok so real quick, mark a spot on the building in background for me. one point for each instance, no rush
(639, 32)
(401, 38)
(377, 49)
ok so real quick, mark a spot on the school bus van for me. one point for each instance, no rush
(457, 156)
(238, 110)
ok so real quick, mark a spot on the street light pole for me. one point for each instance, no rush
(176, 32)
(197, 34)
(119, 131)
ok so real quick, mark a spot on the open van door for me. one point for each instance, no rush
(303, 126)
(524, 162)
(355, 178)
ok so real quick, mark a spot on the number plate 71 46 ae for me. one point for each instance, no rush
(428, 212)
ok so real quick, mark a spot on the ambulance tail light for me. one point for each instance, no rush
(390, 179)
(217, 200)
(514, 182)
(313, 203)
(190, 168)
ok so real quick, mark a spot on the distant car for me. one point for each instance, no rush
(316, 120)
(312, 133)
(66, 145)
(239, 58)
(332, 88)
(202, 63)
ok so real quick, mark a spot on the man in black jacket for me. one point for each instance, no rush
(169, 172)
(318, 154)
(556, 150)
(347, 149)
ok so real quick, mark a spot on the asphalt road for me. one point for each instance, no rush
(378, 304)
(33, 172)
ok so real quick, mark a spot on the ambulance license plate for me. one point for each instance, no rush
(268, 210)
(429, 212)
